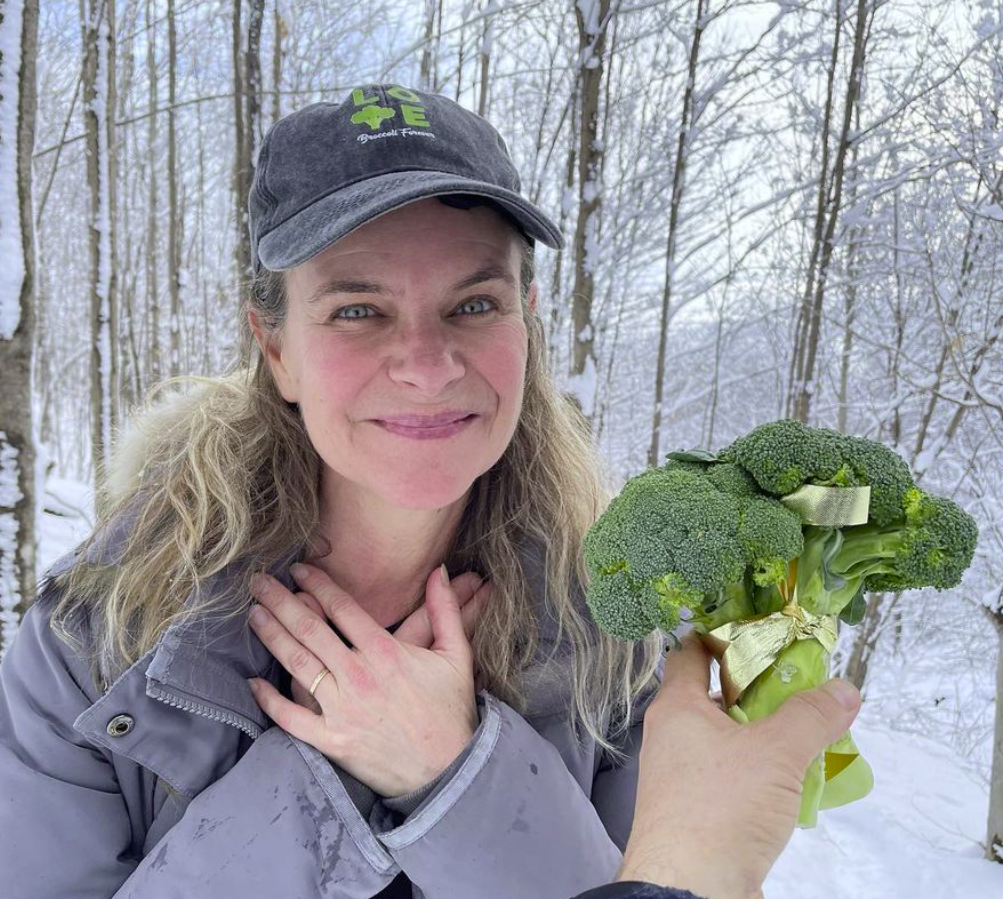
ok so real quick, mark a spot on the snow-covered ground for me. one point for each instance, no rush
(916, 836)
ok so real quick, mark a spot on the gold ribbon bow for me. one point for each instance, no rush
(745, 649)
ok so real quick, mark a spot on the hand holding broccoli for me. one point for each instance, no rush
(719, 836)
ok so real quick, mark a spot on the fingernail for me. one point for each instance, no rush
(844, 693)
(258, 615)
(444, 575)
(253, 684)
(298, 570)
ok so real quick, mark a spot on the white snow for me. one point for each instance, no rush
(12, 269)
(915, 836)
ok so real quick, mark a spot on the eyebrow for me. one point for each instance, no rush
(351, 285)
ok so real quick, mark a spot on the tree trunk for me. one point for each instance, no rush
(174, 233)
(994, 831)
(98, 41)
(866, 639)
(247, 123)
(18, 487)
(802, 387)
(154, 363)
(485, 54)
(591, 47)
(678, 187)
(280, 33)
(425, 79)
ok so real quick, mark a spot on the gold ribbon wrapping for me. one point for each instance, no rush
(745, 649)
(832, 507)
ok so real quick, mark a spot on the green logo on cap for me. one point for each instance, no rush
(374, 115)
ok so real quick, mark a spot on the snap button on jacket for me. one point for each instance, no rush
(173, 784)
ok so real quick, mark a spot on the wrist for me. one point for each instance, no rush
(706, 879)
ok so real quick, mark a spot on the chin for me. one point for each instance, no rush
(426, 491)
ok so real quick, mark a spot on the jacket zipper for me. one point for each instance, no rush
(200, 708)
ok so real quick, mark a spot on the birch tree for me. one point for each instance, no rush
(18, 487)
(98, 96)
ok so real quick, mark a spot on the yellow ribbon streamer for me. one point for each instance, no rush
(832, 507)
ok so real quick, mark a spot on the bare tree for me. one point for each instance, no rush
(154, 362)
(593, 20)
(18, 490)
(174, 219)
(247, 125)
(98, 95)
(280, 32)
(830, 191)
(675, 204)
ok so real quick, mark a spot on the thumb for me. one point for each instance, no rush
(809, 721)
(443, 607)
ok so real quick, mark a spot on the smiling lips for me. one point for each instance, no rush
(448, 429)
(426, 421)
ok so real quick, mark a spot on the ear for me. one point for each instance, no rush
(271, 350)
(531, 296)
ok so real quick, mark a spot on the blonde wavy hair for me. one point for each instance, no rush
(226, 473)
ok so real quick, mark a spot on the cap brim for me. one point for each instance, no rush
(331, 218)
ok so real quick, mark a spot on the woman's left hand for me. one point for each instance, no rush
(393, 715)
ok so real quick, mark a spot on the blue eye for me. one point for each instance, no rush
(478, 300)
(337, 314)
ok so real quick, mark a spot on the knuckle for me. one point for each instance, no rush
(306, 627)
(385, 648)
(299, 660)
(359, 678)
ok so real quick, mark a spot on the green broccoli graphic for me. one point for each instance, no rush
(373, 116)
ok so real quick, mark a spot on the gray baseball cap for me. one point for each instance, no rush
(329, 168)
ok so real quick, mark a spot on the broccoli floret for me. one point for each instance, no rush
(672, 532)
(930, 547)
(731, 478)
(885, 471)
(623, 607)
(783, 455)
(771, 536)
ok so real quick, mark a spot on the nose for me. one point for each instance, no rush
(425, 356)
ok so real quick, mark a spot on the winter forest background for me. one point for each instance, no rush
(771, 209)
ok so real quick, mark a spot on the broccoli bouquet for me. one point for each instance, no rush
(761, 548)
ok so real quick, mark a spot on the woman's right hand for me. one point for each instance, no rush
(716, 800)
(472, 591)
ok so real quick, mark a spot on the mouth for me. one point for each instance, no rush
(427, 432)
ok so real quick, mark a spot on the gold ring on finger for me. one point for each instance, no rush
(317, 680)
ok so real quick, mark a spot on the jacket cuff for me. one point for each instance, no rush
(513, 803)
(636, 889)
(409, 802)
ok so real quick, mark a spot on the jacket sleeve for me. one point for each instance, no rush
(512, 820)
(270, 826)
(636, 889)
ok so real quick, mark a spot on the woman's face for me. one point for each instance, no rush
(415, 313)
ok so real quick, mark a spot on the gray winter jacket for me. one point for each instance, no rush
(256, 813)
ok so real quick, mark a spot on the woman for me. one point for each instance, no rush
(483, 752)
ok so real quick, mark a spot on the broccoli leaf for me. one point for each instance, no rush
(693, 455)
(854, 611)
